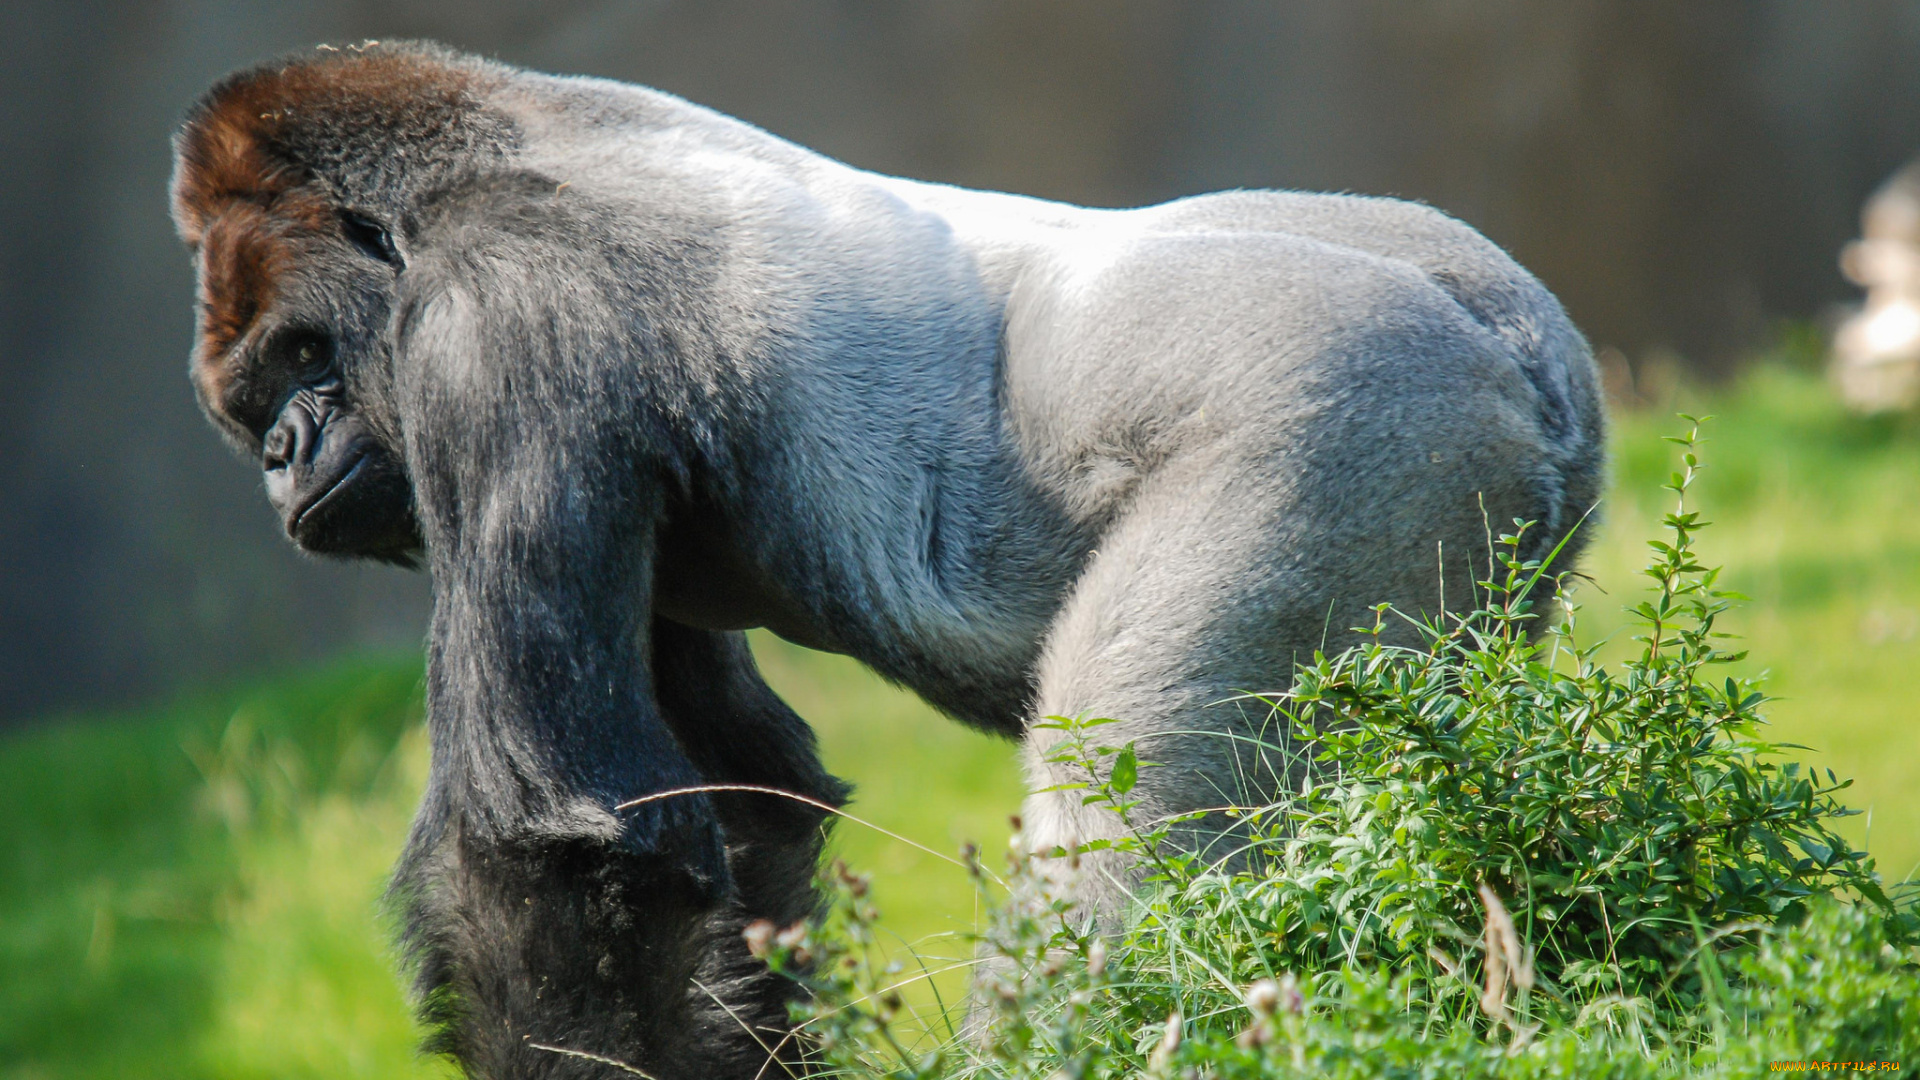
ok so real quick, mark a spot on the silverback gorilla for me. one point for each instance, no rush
(630, 377)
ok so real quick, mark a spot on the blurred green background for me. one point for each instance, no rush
(192, 891)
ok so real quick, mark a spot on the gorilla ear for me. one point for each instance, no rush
(371, 237)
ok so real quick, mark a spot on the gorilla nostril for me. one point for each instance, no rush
(278, 451)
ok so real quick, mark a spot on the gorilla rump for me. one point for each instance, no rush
(630, 377)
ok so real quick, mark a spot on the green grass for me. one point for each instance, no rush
(191, 891)
(917, 774)
(1817, 521)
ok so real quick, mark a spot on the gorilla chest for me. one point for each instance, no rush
(702, 577)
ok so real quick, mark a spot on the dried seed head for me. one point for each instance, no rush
(759, 935)
(1169, 1041)
(1291, 999)
(855, 883)
(794, 940)
(1263, 997)
(792, 935)
(1096, 957)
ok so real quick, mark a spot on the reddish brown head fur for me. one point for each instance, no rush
(244, 140)
(270, 155)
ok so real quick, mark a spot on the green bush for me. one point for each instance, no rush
(1679, 899)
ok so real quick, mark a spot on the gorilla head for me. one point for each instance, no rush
(296, 288)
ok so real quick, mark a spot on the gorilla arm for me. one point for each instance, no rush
(539, 497)
(539, 415)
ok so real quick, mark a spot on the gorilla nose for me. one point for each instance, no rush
(291, 439)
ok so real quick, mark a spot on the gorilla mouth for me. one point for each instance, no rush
(308, 509)
(364, 510)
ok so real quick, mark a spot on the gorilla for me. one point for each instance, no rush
(629, 377)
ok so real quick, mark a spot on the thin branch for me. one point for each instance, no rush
(757, 789)
(773, 1053)
(600, 1058)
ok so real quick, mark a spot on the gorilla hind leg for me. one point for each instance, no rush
(736, 730)
(1227, 570)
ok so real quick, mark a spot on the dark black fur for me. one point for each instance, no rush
(566, 943)
(552, 706)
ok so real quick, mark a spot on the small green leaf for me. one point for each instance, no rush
(1126, 771)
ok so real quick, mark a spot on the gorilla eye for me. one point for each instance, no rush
(370, 237)
(312, 361)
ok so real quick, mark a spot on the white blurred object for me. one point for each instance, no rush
(1876, 353)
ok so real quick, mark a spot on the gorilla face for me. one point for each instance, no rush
(338, 489)
(293, 311)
